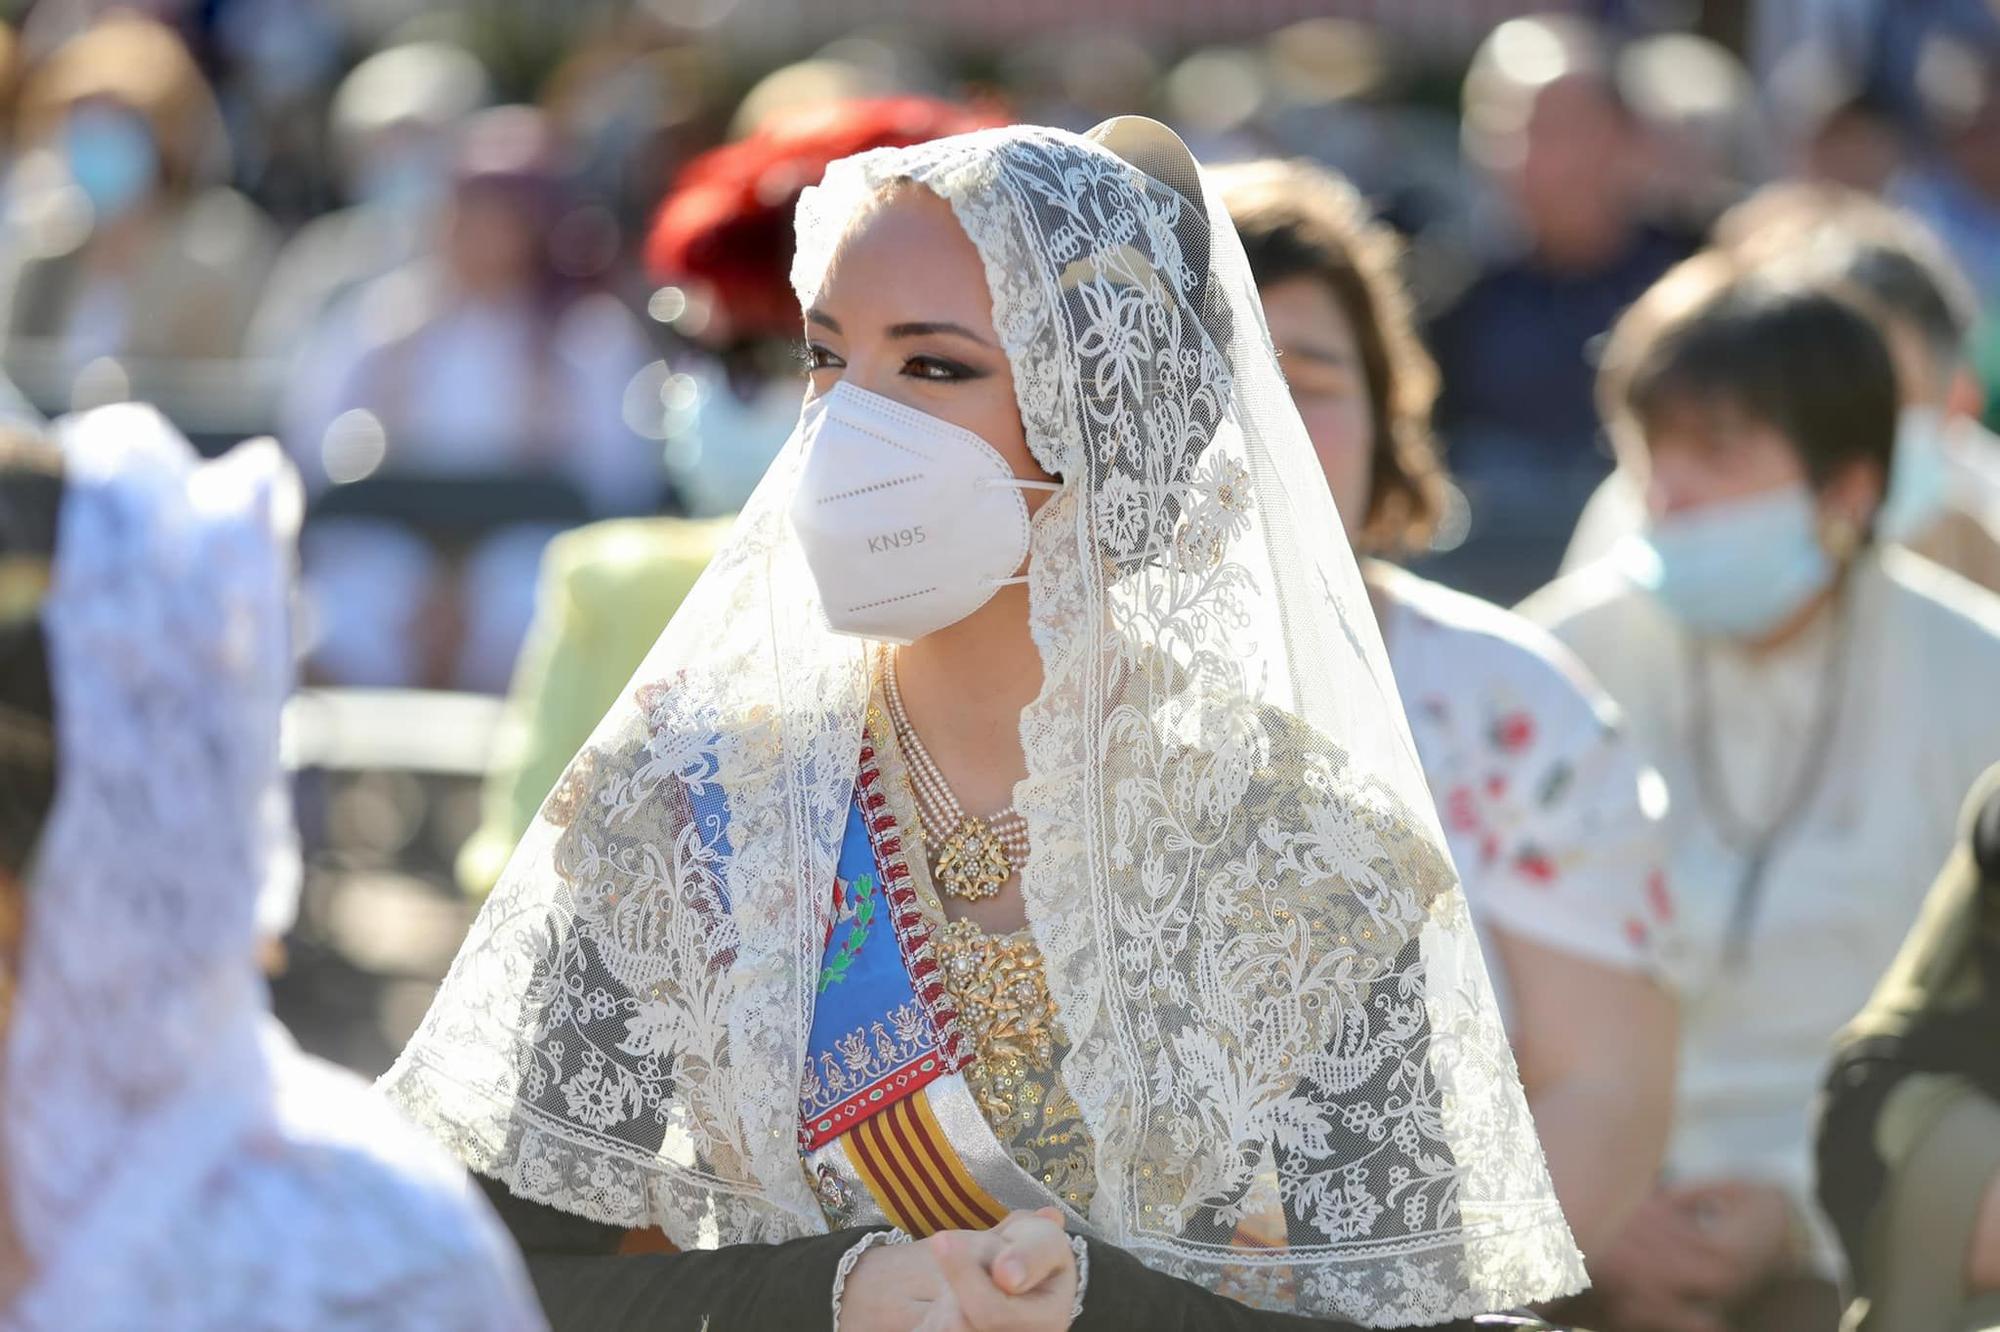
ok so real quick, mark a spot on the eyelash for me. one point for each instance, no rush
(815, 357)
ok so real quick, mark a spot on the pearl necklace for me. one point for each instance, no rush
(976, 856)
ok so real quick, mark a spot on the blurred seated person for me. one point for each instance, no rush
(122, 239)
(392, 125)
(482, 360)
(1831, 125)
(1944, 488)
(1952, 179)
(16, 411)
(1818, 704)
(606, 591)
(1546, 123)
(1909, 1130)
(1552, 817)
(1705, 135)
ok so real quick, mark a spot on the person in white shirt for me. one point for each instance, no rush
(1552, 819)
(484, 360)
(392, 124)
(1818, 703)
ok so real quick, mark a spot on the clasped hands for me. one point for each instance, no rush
(1019, 1276)
(1690, 1253)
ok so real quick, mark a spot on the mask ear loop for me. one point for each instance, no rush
(1016, 483)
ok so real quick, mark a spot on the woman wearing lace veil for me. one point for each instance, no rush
(1017, 824)
(168, 1160)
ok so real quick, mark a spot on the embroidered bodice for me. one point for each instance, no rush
(1000, 989)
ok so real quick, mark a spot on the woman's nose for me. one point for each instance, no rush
(879, 380)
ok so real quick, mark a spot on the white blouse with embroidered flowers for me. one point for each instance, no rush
(1552, 816)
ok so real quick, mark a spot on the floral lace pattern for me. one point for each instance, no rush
(1259, 959)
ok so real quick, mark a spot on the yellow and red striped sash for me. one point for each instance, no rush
(915, 1174)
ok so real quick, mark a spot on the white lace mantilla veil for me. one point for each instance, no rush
(171, 1161)
(1254, 937)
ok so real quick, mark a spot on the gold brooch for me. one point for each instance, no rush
(972, 863)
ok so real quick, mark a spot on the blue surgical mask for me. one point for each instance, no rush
(1736, 568)
(409, 181)
(112, 158)
(1919, 477)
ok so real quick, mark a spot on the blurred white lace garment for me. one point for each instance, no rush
(173, 1163)
(1270, 990)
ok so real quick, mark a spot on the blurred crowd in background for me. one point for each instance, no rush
(412, 241)
(494, 271)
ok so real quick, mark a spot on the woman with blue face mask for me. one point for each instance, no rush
(1818, 704)
(136, 249)
(1944, 487)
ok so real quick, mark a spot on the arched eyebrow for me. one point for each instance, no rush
(1324, 355)
(914, 329)
(926, 328)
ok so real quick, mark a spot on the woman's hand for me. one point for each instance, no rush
(892, 1289)
(1688, 1254)
(1982, 1262)
(1751, 1223)
(1018, 1277)
(1660, 1275)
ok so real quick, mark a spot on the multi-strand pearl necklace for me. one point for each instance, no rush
(974, 856)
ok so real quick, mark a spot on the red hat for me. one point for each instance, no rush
(727, 222)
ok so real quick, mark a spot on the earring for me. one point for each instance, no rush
(1841, 536)
(13, 925)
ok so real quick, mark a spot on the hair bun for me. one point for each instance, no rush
(1154, 149)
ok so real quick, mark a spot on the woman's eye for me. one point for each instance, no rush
(937, 368)
(1325, 390)
(816, 357)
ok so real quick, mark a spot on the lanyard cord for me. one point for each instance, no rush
(1757, 845)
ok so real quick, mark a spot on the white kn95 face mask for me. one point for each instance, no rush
(908, 523)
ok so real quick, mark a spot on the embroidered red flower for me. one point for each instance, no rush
(1489, 849)
(1514, 732)
(1496, 785)
(1462, 809)
(1534, 866)
(1635, 930)
(1657, 896)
